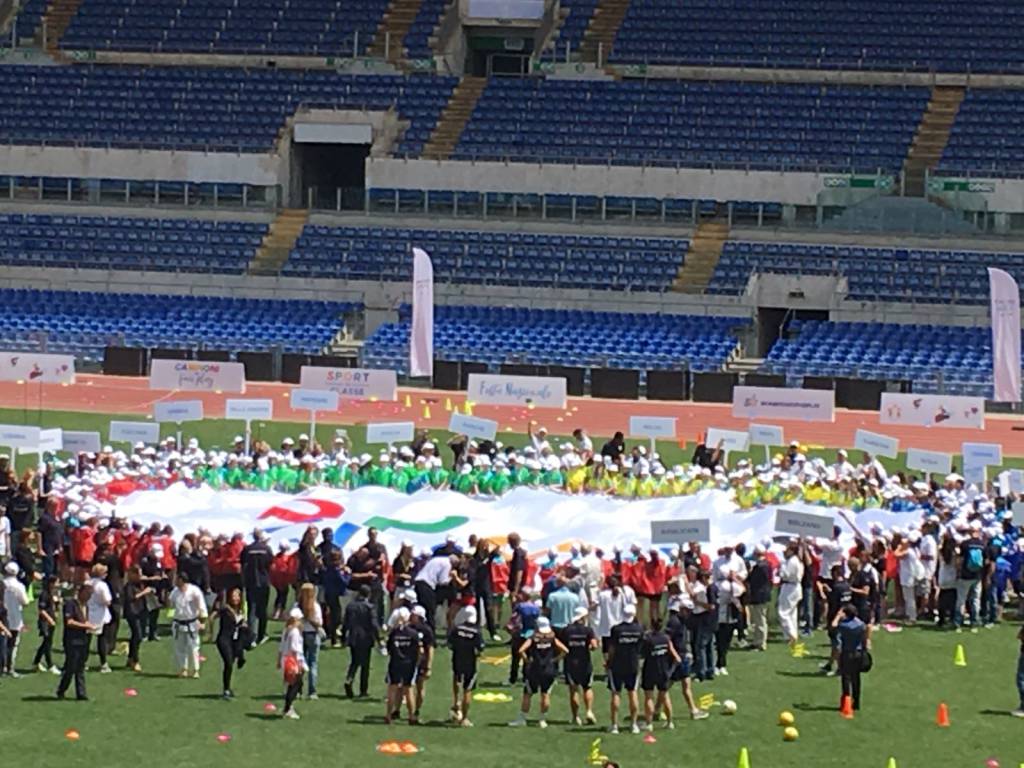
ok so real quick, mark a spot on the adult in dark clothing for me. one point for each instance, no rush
(25, 557)
(48, 608)
(972, 568)
(194, 565)
(152, 574)
(862, 591)
(679, 635)
(483, 589)
(51, 538)
(580, 640)
(466, 644)
(852, 639)
(403, 662)
(516, 566)
(308, 556)
(256, 559)
(759, 595)
(107, 557)
(403, 567)
(660, 658)
(615, 447)
(707, 458)
(21, 509)
(379, 555)
(360, 632)
(232, 638)
(335, 585)
(836, 594)
(136, 613)
(76, 643)
(623, 666)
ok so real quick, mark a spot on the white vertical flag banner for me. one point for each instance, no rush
(1005, 304)
(421, 340)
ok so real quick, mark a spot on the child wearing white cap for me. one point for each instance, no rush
(541, 654)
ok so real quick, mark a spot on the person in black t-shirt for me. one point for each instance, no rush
(48, 609)
(660, 658)
(579, 640)
(21, 509)
(77, 631)
(541, 654)
(623, 666)
(862, 591)
(428, 642)
(968, 588)
(466, 644)
(836, 593)
(516, 566)
(233, 636)
(615, 447)
(679, 635)
(136, 613)
(359, 631)
(403, 662)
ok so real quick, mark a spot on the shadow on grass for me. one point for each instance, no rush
(37, 698)
(995, 713)
(201, 696)
(784, 673)
(266, 716)
(805, 707)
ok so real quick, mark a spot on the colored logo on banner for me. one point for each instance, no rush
(304, 511)
(438, 526)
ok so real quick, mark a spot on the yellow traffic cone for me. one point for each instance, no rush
(891, 763)
(959, 658)
(744, 760)
(408, 401)
(468, 408)
(426, 411)
(448, 404)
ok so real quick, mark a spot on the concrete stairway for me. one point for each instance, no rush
(454, 118)
(278, 242)
(55, 22)
(702, 257)
(394, 26)
(931, 138)
(604, 25)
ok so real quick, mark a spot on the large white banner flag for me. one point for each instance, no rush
(421, 340)
(932, 410)
(1005, 305)
(36, 367)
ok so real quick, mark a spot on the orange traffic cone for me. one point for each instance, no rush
(846, 708)
(942, 715)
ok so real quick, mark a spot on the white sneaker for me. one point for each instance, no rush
(41, 667)
(105, 669)
(519, 722)
(578, 721)
(591, 719)
(466, 723)
(634, 728)
(723, 671)
(699, 714)
(313, 697)
(14, 675)
(55, 670)
(613, 729)
(649, 727)
(1018, 712)
(496, 638)
(542, 723)
(670, 726)
(291, 714)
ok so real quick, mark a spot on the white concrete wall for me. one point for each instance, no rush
(142, 165)
(792, 188)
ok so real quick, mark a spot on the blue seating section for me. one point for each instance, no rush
(495, 258)
(665, 122)
(30, 16)
(310, 27)
(198, 108)
(943, 35)
(987, 135)
(84, 323)
(573, 28)
(961, 356)
(874, 274)
(98, 242)
(495, 335)
(417, 39)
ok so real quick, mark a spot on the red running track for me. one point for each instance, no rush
(121, 395)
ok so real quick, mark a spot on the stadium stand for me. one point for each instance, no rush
(986, 137)
(197, 108)
(29, 17)
(111, 242)
(940, 35)
(84, 323)
(668, 122)
(960, 356)
(417, 39)
(498, 258)
(875, 274)
(312, 27)
(574, 27)
(496, 335)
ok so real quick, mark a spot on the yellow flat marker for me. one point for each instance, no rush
(496, 660)
(706, 701)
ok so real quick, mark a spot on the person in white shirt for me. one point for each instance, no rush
(611, 608)
(928, 550)
(831, 551)
(5, 538)
(911, 571)
(15, 600)
(291, 659)
(435, 573)
(791, 574)
(842, 467)
(99, 612)
(592, 573)
(188, 614)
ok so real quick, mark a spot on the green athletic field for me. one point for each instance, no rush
(176, 722)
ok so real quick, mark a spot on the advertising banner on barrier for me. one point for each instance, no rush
(803, 523)
(249, 410)
(783, 403)
(765, 434)
(178, 411)
(731, 440)
(493, 389)
(652, 426)
(932, 410)
(82, 442)
(874, 443)
(37, 367)
(472, 426)
(135, 432)
(197, 376)
(680, 531)
(929, 461)
(351, 383)
(390, 432)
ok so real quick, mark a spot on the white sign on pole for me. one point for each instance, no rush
(34, 367)
(197, 376)
(783, 403)
(540, 391)
(880, 445)
(929, 461)
(249, 410)
(51, 440)
(730, 439)
(975, 474)
(178, 411)
(932, 410)
(765, 434)
(680, 531)
(17, 436)
(390, 432)
(652, 426)
(1018, 513)
(351, 383)
(314, 400)
(803, 523)
(472, 426)
(982, 454)
(1015, 478)
(135, 432)
(82, 442)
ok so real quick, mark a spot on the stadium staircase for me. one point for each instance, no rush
(702, 257)
(454, 118)
(931, 138)
(54, 24)
(604, 25)
(394, 26)
(279, 241)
